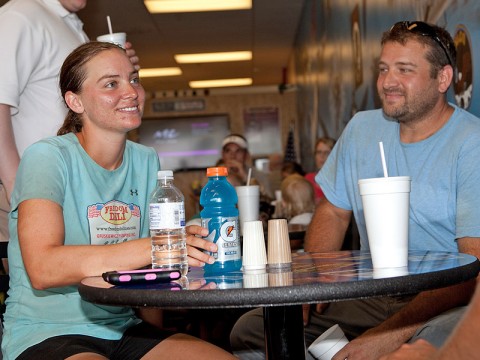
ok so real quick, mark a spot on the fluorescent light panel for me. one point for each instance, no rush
(158, 72)
(205, 84)
(213, 57)
(174, 6)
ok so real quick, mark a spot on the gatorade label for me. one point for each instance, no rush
(223, 231)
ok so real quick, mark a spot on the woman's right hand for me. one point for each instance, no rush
(196, 246)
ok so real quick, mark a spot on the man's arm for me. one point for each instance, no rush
(326, 232)
(396, 330)
(462, 344)
(327, 228)
(9, 158)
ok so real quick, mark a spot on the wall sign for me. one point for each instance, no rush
(178, 105)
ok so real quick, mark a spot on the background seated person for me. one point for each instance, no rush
(297, 205)
(323, 147)
(236, 158)
(292, 167)
(298, 202)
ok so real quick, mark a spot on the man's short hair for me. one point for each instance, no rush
(439, 41)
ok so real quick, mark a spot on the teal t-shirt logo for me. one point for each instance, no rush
(113, 222)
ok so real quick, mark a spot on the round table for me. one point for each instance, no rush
(312, 278)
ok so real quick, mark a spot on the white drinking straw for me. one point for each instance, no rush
(384, 164)
(109, 25)
(249, 176)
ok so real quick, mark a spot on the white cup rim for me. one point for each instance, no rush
(121, 33)
(385, 179)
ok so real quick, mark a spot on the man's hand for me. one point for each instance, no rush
(368, 347)
(132, 55)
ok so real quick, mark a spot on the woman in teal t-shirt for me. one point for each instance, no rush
(79, 208)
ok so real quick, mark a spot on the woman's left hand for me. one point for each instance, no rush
(196, 245)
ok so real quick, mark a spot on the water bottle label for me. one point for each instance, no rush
(223, 231)
(167, 215)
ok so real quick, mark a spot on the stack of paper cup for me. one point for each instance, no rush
(382, 273)
(279, 250)
(254, 253)
(328, 344)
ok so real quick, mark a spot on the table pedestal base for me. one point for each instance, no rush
(284, 334)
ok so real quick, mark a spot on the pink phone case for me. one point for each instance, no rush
(144, 276)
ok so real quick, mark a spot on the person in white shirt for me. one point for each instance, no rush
(36, 37)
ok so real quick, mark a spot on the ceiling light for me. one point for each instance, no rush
(205, 84)
(173, 6)
(157, 72)
(213, 57)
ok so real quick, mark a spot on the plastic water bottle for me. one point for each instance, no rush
(167, 225)
(220, 217)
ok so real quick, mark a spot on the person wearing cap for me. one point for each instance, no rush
(36, 37)
(236, 158)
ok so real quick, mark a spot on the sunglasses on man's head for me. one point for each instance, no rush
(422, 28)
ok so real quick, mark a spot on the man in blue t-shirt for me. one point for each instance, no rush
(435, 143)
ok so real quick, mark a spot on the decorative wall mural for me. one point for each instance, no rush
(357, 47)
(345, 38)
(463, 84)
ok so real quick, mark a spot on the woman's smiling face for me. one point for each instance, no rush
(112, 97)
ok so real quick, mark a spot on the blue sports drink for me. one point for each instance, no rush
(220, 217)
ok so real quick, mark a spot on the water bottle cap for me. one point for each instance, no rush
(217, 171)
(165, 174)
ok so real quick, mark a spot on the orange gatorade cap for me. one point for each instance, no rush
(217, 171)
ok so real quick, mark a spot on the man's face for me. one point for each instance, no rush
(73, 5)
(404, 84)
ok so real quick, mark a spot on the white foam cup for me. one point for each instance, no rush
(328, 344)
(386, 206)
(248, 204)
(382, 273)
(118, 38)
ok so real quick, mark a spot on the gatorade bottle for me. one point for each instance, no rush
(220, 217)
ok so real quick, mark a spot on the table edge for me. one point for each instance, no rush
(271, 296)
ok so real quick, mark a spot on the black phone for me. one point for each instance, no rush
(143, 276)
